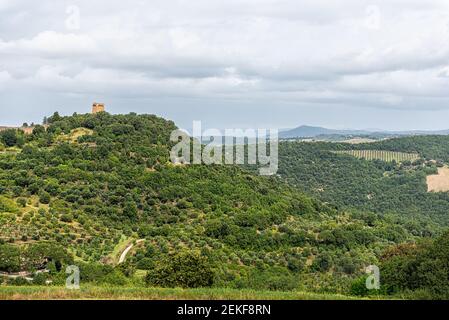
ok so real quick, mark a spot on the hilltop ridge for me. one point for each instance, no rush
(321, 132)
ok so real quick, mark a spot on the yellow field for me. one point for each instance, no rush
(359, 141)
(439, 182)
(387, 156)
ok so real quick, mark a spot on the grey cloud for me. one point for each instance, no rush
(227, 54)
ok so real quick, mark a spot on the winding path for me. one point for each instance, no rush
(127, 250)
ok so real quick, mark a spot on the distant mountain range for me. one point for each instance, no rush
(315, 132)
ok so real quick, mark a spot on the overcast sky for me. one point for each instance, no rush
(230, 63)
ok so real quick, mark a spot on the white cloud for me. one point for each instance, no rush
(378, 54)
(5, 77)
(52, 44)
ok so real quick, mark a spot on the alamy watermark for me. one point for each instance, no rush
(235, 146)
(73, 20)
(373, 280)
(73, 280)
(373, 18)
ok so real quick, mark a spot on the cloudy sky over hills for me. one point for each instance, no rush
(282, 63)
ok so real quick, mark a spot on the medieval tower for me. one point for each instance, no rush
(98, 107)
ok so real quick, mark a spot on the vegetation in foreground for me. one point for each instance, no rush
(142, 293)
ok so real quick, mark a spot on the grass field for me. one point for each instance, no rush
(130, 293)
(387, 156)
(439, 182)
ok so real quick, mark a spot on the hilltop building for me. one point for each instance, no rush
(98, 107)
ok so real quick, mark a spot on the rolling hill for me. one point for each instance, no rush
(323, 133)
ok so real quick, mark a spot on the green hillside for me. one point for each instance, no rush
(88, 186)
(397, 192)
(394, 189)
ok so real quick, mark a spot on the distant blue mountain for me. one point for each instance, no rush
(314, 132)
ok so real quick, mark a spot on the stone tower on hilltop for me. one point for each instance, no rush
(98, 107)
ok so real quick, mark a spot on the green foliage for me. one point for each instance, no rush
(10, 258)
(360, 289)
(22, 202)
(44, 197)
(398, 190)
(185, 270)
(115, 278)
(423, 268)
(322, 264)
(273, 279)
(217, 229)
(95, 272)
(9, 137)
(7, 205)
(19, 282)
(41, 278)
(37, 256)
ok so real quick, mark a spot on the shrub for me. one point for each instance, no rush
(8, 205)
(91, 272)
(116, 278)
(67, 218)
(423, 269)
(185, 270)
(40, 255)
(322, 263)
(40, 279)
(358, 287)
(18, 282)
(145, 264)
(9, 137)
(10, 258)
(22, 202)
(44, 197)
